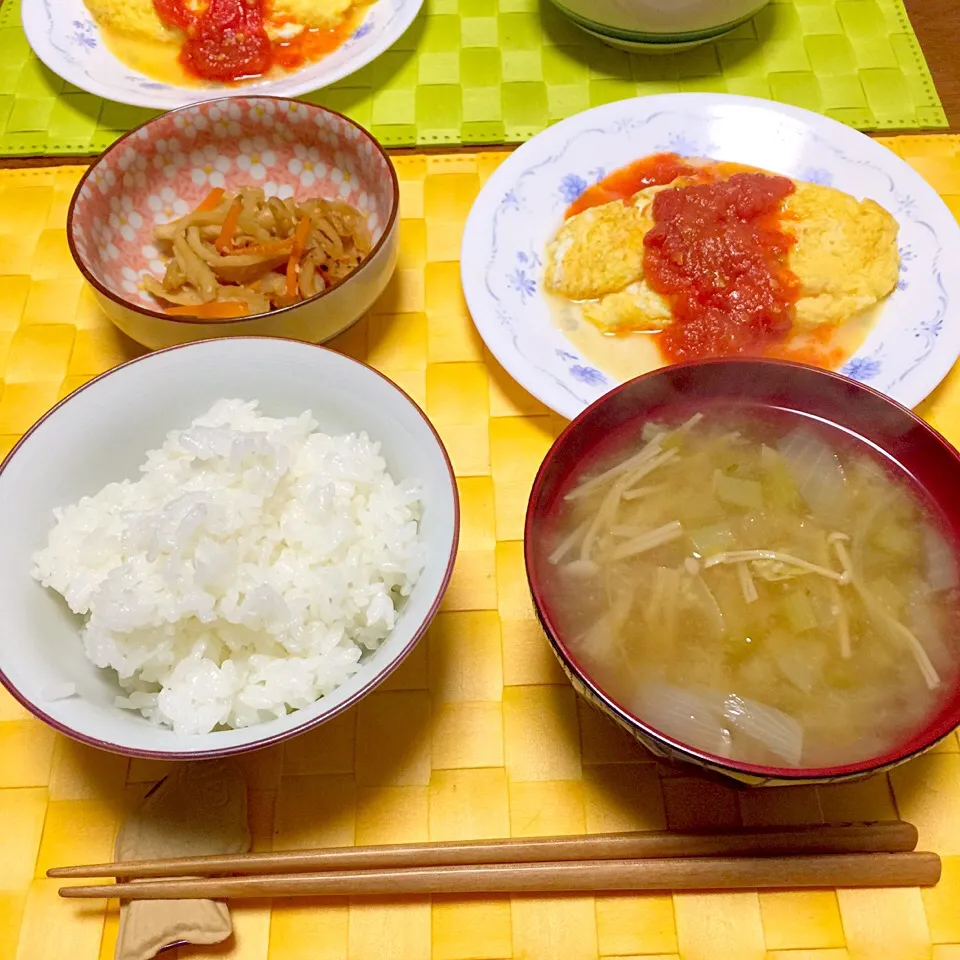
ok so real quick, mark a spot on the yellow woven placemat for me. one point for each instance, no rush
(478, 734)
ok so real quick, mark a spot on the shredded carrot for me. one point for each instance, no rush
(211, 200)
(262, 249)
(299, 243)
(215, 310)
(224, 243)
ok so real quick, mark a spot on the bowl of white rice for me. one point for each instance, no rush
(220, 545)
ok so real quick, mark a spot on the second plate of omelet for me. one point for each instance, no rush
(686, 226)
(132, 51)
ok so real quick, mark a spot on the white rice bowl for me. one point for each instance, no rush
(244, 574)
(98, 438)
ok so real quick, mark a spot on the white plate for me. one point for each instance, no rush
(65, 37)
(916, 339)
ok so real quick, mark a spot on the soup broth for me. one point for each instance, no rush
(759, 587)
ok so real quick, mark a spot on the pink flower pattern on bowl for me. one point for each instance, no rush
(164, 170)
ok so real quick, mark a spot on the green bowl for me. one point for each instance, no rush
(642, 41)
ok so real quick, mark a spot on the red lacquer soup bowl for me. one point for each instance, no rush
(759, 388)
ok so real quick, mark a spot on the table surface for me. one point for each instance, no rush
(478, 734)
(937, 24)
(501, 733)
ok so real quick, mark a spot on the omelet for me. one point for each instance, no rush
(636, 307)
(133, 18)
(845, 259)
(599, 251)
(323, 14)
(138, 18)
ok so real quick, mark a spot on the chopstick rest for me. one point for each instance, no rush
(200, 808)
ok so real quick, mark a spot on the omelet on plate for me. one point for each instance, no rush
(138, 18)
(322, 14)
(845, 258)
(135, 18)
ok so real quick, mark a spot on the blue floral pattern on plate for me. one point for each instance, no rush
(863, 369)
(686, 145)
(907, 256)
(525, 274)
(84, 35)
(363, 29)
(916, 339)
(591, 376)
(571, 186)
(818, 175)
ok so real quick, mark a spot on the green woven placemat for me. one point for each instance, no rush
(495, 71)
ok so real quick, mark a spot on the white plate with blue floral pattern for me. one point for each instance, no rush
(916, 338)
(66, 38)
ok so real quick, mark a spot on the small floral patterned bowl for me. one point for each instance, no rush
(163, 169)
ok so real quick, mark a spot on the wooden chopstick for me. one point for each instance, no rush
(694, 873)
(890, 836)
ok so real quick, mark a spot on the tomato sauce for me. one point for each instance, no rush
(652, 171)
(228, 41)
(816, 348)
(717, 254)
(175, 13)
(310, 45)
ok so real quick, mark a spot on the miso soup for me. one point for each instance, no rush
(758, 586)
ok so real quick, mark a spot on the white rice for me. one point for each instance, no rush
(244, 574)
